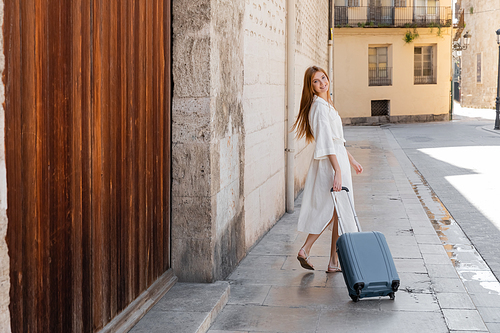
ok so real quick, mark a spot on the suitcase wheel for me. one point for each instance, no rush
(392, 296)
(354, 298)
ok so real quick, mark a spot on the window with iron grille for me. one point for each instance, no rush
(399, 3)
(378, 72)
(479, 68)
(424, 65)
(353, 3)
(380, 107)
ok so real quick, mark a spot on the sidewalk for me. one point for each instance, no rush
(459, 112)
(270, 292)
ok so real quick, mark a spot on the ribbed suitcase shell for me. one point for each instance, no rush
(367, 265)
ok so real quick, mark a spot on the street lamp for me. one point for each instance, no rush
(464, 42)
(497, 119)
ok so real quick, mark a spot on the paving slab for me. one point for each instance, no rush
(253, 318)
(458, 319)
(455, 301)
(384, 321)
(187, 307)
(493, 327)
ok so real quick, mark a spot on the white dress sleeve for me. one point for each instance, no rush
(322, 131)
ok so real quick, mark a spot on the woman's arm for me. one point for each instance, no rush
(337, 180)
(357, 167)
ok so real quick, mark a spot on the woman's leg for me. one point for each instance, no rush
(334, 260)
(311, 239)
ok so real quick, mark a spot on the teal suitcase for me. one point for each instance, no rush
(366, 262)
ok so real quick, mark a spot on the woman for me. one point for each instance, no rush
(319, 121)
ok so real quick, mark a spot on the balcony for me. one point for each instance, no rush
(380, 76)
(392, 17)
(425, 79)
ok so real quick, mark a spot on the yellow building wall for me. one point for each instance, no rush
(353, 95)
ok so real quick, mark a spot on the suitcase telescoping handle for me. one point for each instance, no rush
(338, 210)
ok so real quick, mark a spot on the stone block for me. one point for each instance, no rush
(229, 246)
(252, 217)
(191, 64)
(190, 16)
(191, 217)
(190, 169)
(192, 259)
(191, 120)
(228, 205)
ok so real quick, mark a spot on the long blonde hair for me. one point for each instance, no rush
(301, 124)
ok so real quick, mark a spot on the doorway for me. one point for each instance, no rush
(87, 116)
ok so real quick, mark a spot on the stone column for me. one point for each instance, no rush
(207, 138)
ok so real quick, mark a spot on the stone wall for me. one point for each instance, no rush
(311, 49)
(229, 125)
(264, 104)
(207, 139)
(227, 134)
(482, 23)
(265, 109)
(4, 254)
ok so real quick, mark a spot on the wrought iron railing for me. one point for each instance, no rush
(425, 79)
(392, 16)
(381, 76)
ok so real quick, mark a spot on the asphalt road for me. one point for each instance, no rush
(460, 160)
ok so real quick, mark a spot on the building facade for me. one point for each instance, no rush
(392, 60)
(218, 99)
(479, 63)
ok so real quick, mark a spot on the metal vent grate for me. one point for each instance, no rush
(380, 108)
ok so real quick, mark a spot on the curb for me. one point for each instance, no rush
(488, 129)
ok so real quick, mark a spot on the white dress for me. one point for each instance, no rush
(317, 204)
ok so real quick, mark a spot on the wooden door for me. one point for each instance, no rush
(87, 116)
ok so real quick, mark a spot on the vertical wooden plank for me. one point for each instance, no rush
(33, 55)
(105, 216)
(115, 147)
(132, 92)
(124, 225)
(150, 274)
(158, 130)
(57, 113)
(140, 146)
(76, 174)
(161, 130)
(86, 151)
(155, 258)
(134, 145)
(167, 98)
(13, 158)
(97, 223)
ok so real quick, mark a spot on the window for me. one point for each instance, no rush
(426, 11)
(349, 3)
(423, 65)
(400, 3)
(479, 68)
(379, 72)
(380, 108)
